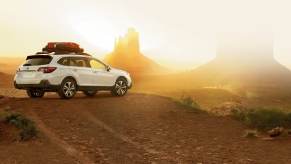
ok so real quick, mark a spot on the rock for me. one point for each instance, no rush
(199, 148)
(91, 141)
(251, 134)
(178, 146)
(66, 138)
(74, 137)
(276, 132)
(1, 96)
(268, 139)
(130, 155)
(84, 148)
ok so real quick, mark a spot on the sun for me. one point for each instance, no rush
(100, 33)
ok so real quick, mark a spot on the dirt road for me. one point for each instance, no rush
(137, 128)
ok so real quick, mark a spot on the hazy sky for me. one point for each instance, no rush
(176, 33)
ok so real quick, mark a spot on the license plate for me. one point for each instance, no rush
(28, 74)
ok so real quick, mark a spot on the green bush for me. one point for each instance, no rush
(288, 119)
(189, 102)
(266, 118)
(263, 118)
(27, 127)
(238, 115)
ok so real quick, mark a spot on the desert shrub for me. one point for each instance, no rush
(266, 118)
(189, 102)
(263, 118)
(238, 114)
(27, 127)
(288, 119)
(3, 116)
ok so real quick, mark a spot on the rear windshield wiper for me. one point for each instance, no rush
(26, 64)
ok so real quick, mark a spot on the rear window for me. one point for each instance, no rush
(37, 60)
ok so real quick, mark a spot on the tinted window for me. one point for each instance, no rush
(79, 62)
(37, 60)
(64, 61)
(96, 64)
(74, 62)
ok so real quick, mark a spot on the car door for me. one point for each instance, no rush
(102, 76)
(81, 68)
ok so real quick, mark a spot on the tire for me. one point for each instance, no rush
(35, 93)
(68, 88)
(90, 93)
(120, 88)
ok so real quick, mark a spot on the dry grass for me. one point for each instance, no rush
(26, 126)
(188, 102)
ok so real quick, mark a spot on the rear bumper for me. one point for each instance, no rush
(44, 85)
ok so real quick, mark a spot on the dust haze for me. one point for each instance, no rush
(244, 68)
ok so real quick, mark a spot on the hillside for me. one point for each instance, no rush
(244, 61)
(6, 81)
(220, 73)
(126, 55)
(8, 65)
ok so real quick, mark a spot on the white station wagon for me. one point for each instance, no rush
(68, 73)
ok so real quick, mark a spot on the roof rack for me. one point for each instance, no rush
(84, 53)
(62, 53)
(62, 48)
(41, 53)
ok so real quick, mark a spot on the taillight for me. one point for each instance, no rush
(47, 69)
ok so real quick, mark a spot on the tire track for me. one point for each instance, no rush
(70, 150)
(126, 139)
(118, 135)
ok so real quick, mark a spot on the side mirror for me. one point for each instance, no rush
(108, 68)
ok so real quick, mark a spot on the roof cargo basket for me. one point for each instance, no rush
(63, 48)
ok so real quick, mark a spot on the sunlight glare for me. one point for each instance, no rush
(99, 32)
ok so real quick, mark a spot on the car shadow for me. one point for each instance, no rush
(78, 96)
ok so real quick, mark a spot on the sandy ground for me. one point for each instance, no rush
(137, 128)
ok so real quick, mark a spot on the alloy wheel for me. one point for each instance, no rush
(121, 87)
(69, 89)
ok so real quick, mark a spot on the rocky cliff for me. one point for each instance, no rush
(126, 55)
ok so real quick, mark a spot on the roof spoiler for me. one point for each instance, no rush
(38, 56)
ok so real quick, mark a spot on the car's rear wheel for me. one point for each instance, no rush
(68, 88)
(90, 93)
(35, 93)
(120, 88)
